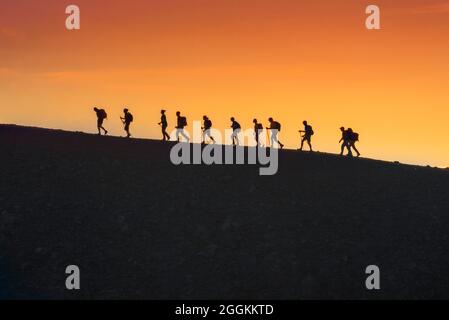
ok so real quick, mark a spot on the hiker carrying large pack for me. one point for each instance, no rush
(258, 128)
(353, 137)
(274, 128)
(127, 119)
(235, 131)
(181, 123)
(101, 116)
(207, 125)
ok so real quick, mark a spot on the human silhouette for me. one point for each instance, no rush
(181, 123)
(101, 116)
(308, 133)
(127, 119)
(164, 125)
(235, 131)
(207, 125)
(353, 138)
(345, 142)
(275, 128)
(258, 127)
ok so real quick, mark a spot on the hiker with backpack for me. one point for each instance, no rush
(308, 133)
(207, 125)
(164, 125)
(275, 128)
(235, 131)
(346, 144)
(127, 119)
(353, 138)
(101, 116)
(181, 123)
(258, 128)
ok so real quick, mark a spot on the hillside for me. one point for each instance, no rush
(140, 227)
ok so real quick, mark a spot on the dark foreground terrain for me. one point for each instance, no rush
(139, 227)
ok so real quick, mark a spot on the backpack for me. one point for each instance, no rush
(309, 131)
(209, 123)
(102, 113)
(277, 126)
(129, 117)
(355, 136)
(183, 121)
(259, 126)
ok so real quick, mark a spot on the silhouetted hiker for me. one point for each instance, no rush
(127, 119)
(258, 127)
(235, 131)
(308, 133)
(274, 128)
(101, 115)
(353, 138)
(207, 125)
(345, 139)
(181, 123)
(164, 125)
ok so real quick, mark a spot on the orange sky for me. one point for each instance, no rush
(289, 59)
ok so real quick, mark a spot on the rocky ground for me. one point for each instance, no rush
(139, 227)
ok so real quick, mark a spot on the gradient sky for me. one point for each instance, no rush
(289, 59)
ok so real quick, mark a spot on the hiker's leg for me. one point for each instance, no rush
(302, 143)
(235, 139)
(177, 134)
(127, 130)
(309, 142)
(203, 137)
(355, 149)
(210, 135)
(185, 136)
(275, 139)
(348, 146)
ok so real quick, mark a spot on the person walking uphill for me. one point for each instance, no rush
(353, 138)
(308, 133)
(275, 128)
(258, 128)
(127, 119)
(207, 126)
(235, 132)
(181, 123)
(345, 139)
(164, 125)
(101, 116)
(349, 138)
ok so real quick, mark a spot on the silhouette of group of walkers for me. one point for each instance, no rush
(348, 138)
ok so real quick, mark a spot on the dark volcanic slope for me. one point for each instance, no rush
(139, 227)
